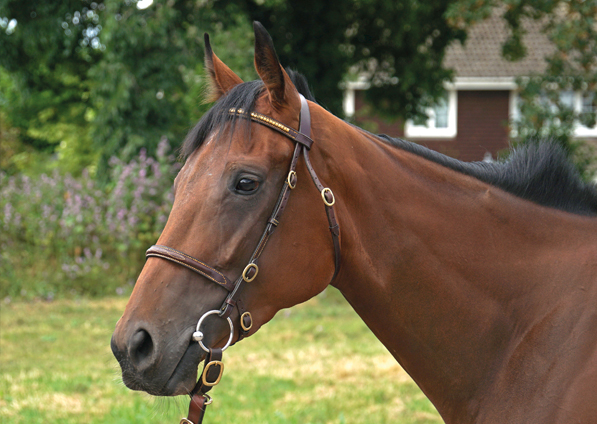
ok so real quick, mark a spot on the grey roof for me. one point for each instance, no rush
(481, 55)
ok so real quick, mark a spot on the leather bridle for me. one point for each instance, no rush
(213, 368)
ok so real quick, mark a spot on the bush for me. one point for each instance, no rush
(68, 236)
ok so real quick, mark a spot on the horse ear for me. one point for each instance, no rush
(221, 77)
(280, 88)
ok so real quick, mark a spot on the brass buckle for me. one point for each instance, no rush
(242, 324)
(289, 179)
(323, 192)
(207, 367)
(247, 269)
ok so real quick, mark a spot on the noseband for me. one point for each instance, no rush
(213, 367)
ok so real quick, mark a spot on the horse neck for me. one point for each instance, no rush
(448, 272)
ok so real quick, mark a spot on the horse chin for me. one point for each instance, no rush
(184, 377)
(180, 382)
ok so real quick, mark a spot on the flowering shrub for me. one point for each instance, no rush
(65, 235)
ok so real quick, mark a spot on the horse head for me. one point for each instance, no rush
(235, 175)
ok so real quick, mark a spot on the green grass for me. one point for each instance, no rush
(314, 363)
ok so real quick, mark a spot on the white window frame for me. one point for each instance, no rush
(429, 130)
(350, 88)
(580, 131)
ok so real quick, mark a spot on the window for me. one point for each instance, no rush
(441, 122)
(577, 101)
(587, 103)
(440, 113)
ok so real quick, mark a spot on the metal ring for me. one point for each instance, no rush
(289, 179)
(323, 192)
(242, 324)
(206, 370)
(247, 268)
(215, 311)
(208, 399)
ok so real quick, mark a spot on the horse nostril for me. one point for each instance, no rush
(140, 348)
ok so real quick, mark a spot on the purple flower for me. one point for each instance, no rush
(7, 213)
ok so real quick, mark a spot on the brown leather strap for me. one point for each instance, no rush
(334, 227)
(193, 264)
(234, 296)
(246, 321)
(304, 143)
(305, 127)
(213, 369)
(196, 410)
(298, 136)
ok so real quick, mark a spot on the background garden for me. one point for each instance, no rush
(95, 100)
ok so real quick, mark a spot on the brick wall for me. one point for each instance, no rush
(481, 125)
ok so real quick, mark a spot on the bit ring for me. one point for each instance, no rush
(215, 311)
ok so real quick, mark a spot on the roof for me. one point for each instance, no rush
(481, 55)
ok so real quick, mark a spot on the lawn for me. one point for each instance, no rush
(314, 363)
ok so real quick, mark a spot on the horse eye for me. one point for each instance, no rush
(247, 185)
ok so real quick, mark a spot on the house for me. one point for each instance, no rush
(472, 123)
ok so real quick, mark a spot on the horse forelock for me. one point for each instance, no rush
(243, 96)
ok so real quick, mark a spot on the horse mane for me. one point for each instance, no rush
(539, 171)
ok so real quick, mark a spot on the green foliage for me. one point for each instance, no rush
(315, 363)
(399, 45)
(84, 80)
(93, 79)
(138, 89)
(45, 98)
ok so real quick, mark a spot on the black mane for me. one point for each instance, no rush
(539, 172)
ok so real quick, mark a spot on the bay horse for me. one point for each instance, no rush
(480, 279)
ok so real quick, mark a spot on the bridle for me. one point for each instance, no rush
(213, 366)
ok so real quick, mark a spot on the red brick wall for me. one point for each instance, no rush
(481, 126)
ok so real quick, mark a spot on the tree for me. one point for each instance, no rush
(45, 95)
(91, 79)
(104, 76)
(399, 45)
